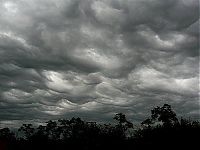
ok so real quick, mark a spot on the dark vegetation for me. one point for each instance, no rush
(162, 130)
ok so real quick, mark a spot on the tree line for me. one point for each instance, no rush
(161, 130)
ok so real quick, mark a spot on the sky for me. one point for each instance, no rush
(96, 58)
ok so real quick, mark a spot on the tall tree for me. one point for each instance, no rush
(165, 114)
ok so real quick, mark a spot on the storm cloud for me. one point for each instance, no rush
(94, 58)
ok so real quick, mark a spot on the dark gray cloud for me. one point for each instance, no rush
(94, 58)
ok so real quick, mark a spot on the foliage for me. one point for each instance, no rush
(78, 134)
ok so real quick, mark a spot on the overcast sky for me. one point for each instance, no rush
(94, 58)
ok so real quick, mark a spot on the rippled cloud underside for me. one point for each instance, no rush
(94, 58)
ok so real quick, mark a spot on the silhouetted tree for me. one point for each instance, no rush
(147, 123)
(121, 118)
(27, 130)
(78, 134)
(6, 134)
(65, 129)
(122, 125)
(7, 139)
(52, 130)
(164, 114)
(41, 134)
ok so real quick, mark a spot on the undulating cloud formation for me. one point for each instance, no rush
(94, 58)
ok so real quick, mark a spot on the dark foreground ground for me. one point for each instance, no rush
(162, 130)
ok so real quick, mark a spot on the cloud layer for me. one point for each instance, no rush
(94, 58)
